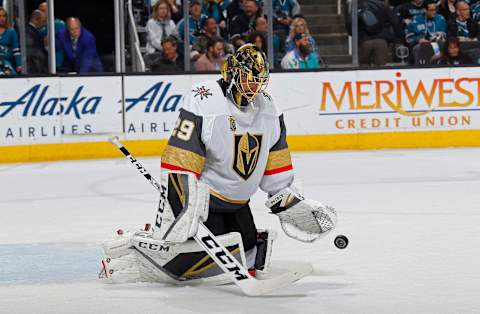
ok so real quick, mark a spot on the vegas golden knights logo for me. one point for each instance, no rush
(246, 153)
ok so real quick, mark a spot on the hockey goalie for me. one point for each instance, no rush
(229, 140)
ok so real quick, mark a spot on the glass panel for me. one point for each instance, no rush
(87, 44)
(308, 34)
(154, 42)
(327, 25)
(84, 36)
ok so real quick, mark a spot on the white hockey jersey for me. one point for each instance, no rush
(233, 151)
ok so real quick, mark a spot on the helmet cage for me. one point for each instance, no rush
(249, 71)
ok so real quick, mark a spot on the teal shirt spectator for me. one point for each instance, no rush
(215, 9)
(476, 12)
(194, 26)
(421, 27)
(286, 7)
(10, 49)
(290, 44)
(59, 26)
(293, 60)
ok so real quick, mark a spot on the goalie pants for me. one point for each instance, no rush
(240, 220)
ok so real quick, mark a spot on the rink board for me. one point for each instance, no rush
(57, 118)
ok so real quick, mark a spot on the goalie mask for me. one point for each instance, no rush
(246, 72)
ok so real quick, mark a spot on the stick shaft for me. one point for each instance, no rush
(115, 141)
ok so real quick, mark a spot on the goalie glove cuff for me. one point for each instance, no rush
(283, 200)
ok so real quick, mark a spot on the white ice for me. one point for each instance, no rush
(412, 217)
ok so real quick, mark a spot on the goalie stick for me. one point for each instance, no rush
(219, 254)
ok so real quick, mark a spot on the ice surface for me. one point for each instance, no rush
(412, 217)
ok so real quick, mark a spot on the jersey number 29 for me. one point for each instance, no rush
(183, 129)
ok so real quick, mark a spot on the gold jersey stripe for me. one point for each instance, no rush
(278, 159)
(183, 158)
(227, 199)
(195, 270)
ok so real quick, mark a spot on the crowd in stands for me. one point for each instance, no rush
(75, 46)
(215, 29)
(444, 32)
(432, 32)
(218, 27)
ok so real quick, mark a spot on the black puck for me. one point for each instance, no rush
(341, 241)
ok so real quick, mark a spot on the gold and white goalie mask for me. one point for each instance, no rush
(247, 73)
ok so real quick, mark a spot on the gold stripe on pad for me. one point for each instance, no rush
(227, 199)
(193, 271)
(183, 158)
(278, 159)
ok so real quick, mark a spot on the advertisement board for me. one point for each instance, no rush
(323, 110)
(352, 102)
(58, 109)
(152, 103)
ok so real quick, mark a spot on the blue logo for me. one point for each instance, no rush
(34, 103)
(155, 99)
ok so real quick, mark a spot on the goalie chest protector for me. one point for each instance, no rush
(228, 147)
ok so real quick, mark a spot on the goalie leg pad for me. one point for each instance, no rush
(139, 257)
(183, 204)
(119, 264)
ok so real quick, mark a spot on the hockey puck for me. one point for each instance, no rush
(341, 241)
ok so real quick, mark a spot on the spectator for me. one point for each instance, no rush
(171, 61)
(283, 11)
(235, 8)
(374, 35)
(244, 23)
(196, 20)
(463, 27)
(302, 57)
(299, 26)
(447, 9)
(9, 48)
(37, 57)
(407, 11)
(175, 10)
(452, 53)
(261, 27)
(476, 12)
(215, 9)
(210, 30)
(79, 48)
(213, 59)
(59, 26)
(426, 30)
(258, 40)
(159, 26)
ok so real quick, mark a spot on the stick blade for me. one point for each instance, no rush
(275, 279)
